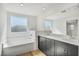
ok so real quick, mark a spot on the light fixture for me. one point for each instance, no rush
(43, 8)
(21, 4)
(63, 11)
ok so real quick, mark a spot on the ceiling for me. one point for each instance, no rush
(36, 9)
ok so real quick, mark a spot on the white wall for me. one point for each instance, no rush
(2, 22)
(59, 27)
(40, 23)
(4, 26)
(60, 22)
(1, 9)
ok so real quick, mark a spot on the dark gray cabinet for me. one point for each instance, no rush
(60, 48)
(53, 47)
(42, 44)
(72, 50)
(48, 46)
(65, 49)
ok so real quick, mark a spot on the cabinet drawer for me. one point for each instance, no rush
(60, 48)
(72, 50)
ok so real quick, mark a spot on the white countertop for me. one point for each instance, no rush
(59, 37)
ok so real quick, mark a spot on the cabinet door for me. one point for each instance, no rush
(39, 43)
(42, 44)
(48, 47)
(60, 48)
(52, 47)
(72, 50)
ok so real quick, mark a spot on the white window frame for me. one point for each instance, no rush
(8, 21)
(44, 23)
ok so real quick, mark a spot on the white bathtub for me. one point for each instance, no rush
(21, 45)
(18, 44)
(18, 49)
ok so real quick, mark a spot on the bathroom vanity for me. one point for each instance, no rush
(57, 45)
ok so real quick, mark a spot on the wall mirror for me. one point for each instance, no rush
(72, 28)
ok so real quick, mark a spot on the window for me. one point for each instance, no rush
(18, 24)
(48, 24)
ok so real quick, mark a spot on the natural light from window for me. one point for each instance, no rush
(48, 24)
(18, 24)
